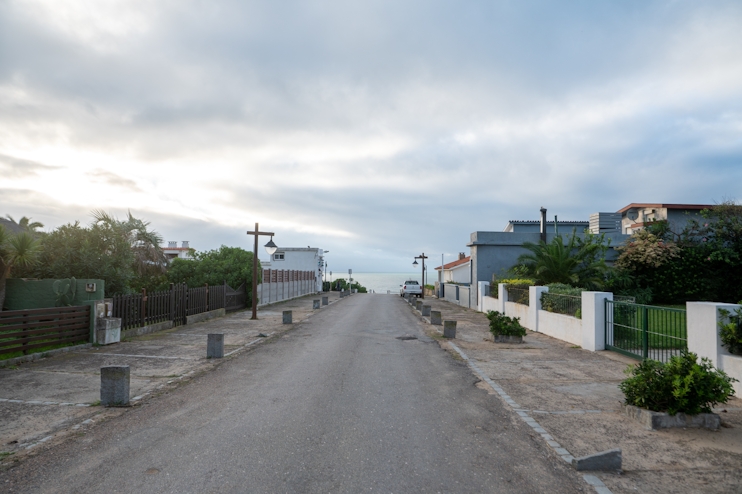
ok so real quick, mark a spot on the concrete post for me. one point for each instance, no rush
(315, 304)
(342, 294)
(480, 294)
(215, 345)
(593, 319)
(114, 385)
(534, 304)
(107, 330)
(502, 297)
(449, 329)
(419, 305)
(325, 300)
(426, 310)
(435, 317)
(703, 338)
(287, 316)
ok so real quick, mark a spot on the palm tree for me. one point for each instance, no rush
(19, 250)
(26, 224)
(577, 262)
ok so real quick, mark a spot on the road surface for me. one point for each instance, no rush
(338, 404)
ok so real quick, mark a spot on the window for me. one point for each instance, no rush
(278, 256)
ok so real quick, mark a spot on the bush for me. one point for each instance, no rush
(518, 281)
(681, 385)
(730, 331)
(500, 324)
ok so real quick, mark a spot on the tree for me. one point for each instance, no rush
(126, 254)
(230, 264)
(578, 262)
(19, 250)
(25, 224)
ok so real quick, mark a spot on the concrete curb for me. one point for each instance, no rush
(660, 420)
(205, 316)
(152, 328)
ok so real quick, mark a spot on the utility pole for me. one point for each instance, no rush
(270, 247)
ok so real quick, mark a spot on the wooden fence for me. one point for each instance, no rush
(32, 329)
(142, 309)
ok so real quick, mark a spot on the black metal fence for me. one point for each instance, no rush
(570, 305)
(518, 294)
(490, 291)
(645, 331)
(142, 309)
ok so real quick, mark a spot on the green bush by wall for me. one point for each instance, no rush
(39, 294)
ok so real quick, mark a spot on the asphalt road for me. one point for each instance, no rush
(339, 404)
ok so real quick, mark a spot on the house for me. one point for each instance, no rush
(172, 251)
(458, 271)
(636, 216)
(299, 259)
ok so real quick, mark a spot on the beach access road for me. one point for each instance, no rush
(354, 399)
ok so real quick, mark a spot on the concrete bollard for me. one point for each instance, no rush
(426, 310)
(449, 329)
(419, 305)
(114, 385)
(315, 304)
(287, 315)
(435, 317)
(215, 345)
(325, 301)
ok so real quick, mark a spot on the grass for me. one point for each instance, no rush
(45, 349)
(5, 454)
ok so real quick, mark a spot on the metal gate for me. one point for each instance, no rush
(645, 331)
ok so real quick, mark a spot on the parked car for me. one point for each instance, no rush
(412, 287)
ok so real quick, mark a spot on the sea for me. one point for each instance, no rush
(381, 282)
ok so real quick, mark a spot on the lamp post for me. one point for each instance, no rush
(324, 280)
(423, 257)
(270, 248)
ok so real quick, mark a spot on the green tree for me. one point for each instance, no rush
(26, 224)
(126, 254)
(577, 262)
(21, 250)
(230, 264)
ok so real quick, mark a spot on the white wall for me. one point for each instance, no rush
(300, 259)
(560, 326)
(518, 310)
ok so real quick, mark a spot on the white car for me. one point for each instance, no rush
(412, 287)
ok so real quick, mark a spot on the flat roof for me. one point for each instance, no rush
(697, 207)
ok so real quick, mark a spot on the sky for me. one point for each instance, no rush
(374, 130)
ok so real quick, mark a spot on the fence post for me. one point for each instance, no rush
(534, 304)
(645, 333)
(502, 297)
(593, 319)
(207, 296)
(172, 302)
(143, 309)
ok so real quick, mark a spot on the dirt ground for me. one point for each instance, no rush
(574, 395)
(48, 399)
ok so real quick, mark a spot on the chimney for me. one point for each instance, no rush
(543, 224)
(185, 244)
(172, 244)
(462, 255)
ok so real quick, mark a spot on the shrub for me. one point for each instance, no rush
(730, 331)
(500, 324)
(518, 281)
(681, 385)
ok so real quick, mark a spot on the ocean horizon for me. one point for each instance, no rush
(381, 282)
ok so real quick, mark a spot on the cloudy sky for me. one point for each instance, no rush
(375, 130)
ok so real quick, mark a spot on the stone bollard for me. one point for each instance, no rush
(426, 310)
(107, 330)
(325, 301)
(315, 304)
(114, 385)
(419, 305)
(287, 315)
(435, 317)
(215, 345)
(342, 294)
(449, 329)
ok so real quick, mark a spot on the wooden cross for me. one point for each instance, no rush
(254, 296)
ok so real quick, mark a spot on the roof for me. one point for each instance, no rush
(697, 207)
(457, 262)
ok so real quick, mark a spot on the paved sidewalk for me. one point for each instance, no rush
(47, 399)
(570, 398)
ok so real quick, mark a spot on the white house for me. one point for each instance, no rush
(458, 271)
(299, 259)
(172, 251)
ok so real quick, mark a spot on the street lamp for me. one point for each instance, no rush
(423, 257)
(270, 248)
(325, 278)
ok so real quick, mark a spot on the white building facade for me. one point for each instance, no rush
(299, 259)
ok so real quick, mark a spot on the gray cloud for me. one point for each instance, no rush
(13, 167)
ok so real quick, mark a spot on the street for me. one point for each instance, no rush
(338, 404)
